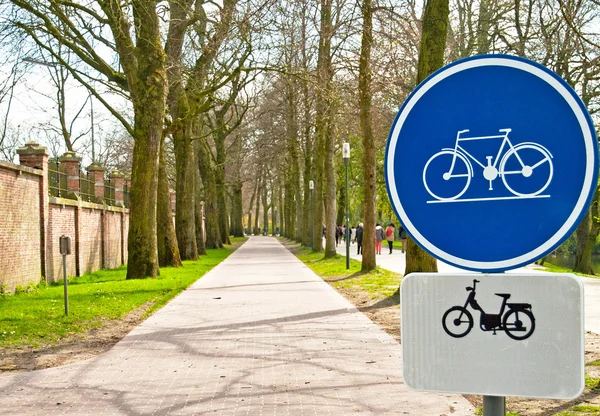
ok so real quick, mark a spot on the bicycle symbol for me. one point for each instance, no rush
(512, 163)
(518, 322)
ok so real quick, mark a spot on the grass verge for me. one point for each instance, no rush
(379, 283)
(37, 317)
(549, 267)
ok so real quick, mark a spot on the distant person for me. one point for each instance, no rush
(277, 231)
(338, 233)
(350, 234)
(389, 236)
(359, 237)
(379, 235)
(403, 236)
(265, 230)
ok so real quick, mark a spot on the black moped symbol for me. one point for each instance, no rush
(518, 321)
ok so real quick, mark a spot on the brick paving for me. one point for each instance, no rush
(260, 334)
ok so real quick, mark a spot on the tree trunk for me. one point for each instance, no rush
(256, 212)
(200, 243)
(308, 151)
(322, 121)
(142, 243)
(483, 26)
(369, 151)
(294, 167)
(222, 210)
(330, 247)
(431, 58)
(185, 207)
(237, 211)
(199, 216)
(587, 234)
(341, 200)
(265, 208)
(213, 239)
(250, 230)
(168, 251)
(273, 215)
(148, 92)
(281, 210)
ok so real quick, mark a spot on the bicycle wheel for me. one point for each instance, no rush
(518, 325)
(447, 175)
(457, 321)
(526, 169)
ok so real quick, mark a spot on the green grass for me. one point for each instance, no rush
(594, 363)
(549, 267)
(587, 409)
(479, 411)
(379, 283)
(37, 318)
(591, 383)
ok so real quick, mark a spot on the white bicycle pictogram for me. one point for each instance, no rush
(523, 160)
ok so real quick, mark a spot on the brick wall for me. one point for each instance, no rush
(90, 241)
(20, 249)
(31, 224)
(112, 239)
(61, 221)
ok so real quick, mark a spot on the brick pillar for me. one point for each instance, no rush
(126, 190)
(69, 163)
(173, 198)
(36, 156)
(118, 182)
(96, 170)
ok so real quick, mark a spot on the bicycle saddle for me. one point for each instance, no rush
(503, 295)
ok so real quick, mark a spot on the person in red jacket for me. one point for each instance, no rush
(389, 236)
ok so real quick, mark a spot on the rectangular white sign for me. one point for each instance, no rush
(493, 334)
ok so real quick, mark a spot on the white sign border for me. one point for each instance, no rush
(590, 148)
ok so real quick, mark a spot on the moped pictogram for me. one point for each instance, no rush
(518, 321)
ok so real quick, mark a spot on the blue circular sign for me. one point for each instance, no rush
(491, 162)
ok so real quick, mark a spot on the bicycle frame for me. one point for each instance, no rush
(458, 147)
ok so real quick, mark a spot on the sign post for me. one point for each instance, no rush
(501, 159)
(65, 248)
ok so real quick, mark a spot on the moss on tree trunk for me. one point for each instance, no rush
(213, 238)
(168, 250)
(369, 152)
(431, 58)
(587, 234)
(237, 228)
(185, 208)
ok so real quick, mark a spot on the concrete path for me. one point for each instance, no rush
(396, 262)
(258, 335)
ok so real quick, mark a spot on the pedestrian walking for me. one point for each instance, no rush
(379, 235)
(359, 237)
(389, 236)
(403, 236)
(338, 232)
(350, 234)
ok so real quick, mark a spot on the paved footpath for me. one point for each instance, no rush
(260, 334)
(396, 262)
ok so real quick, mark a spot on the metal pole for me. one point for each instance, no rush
(66, 281)
(494, 406)
(312, 225)
(347, 220)
(92, 117)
